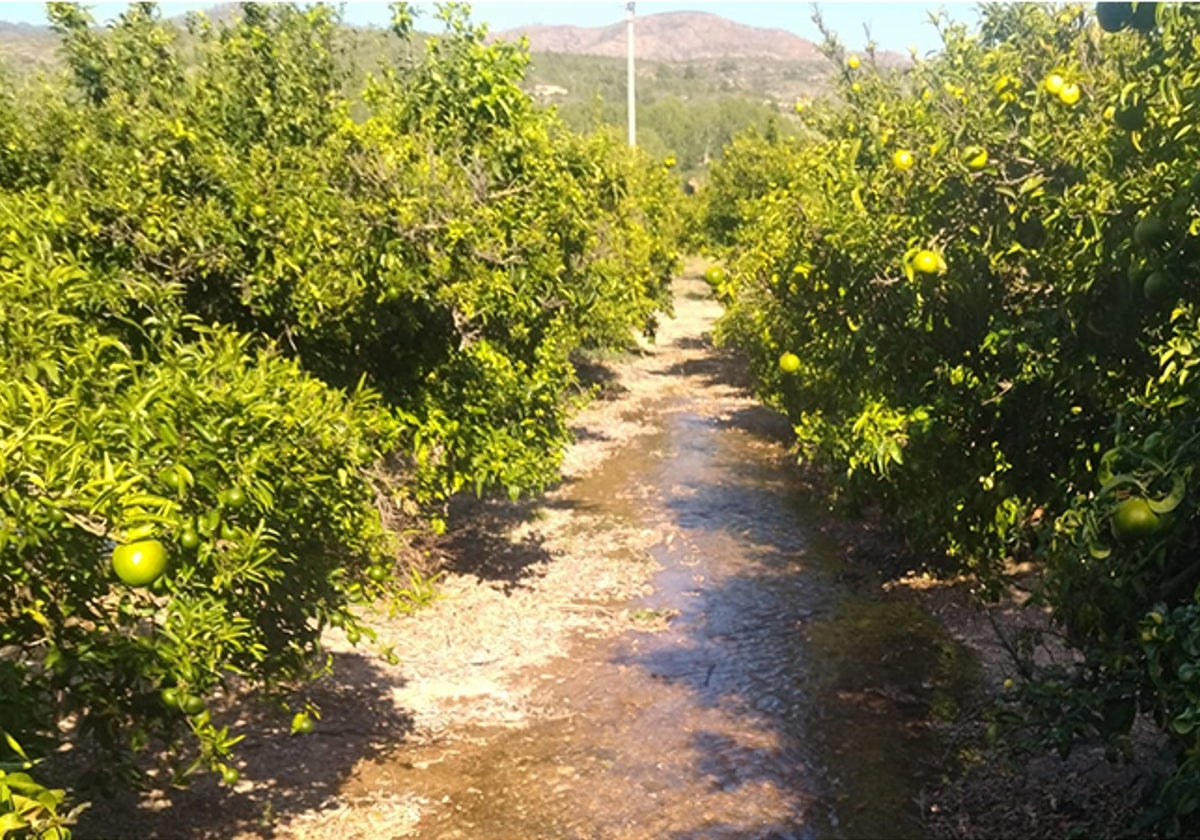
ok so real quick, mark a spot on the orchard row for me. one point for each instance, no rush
(255, 332)
(973, 284)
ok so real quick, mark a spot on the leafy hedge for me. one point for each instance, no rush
(237, 320)
(986, 264)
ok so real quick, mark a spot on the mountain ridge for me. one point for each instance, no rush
(677, 37)
(669, 36)
(661, 37)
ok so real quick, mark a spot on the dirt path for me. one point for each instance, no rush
(525, 581)
(667, 645)
(659, 647)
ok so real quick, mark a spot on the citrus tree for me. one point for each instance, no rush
(175, 513)
(972, 289)
(239, 322)
(446, 245)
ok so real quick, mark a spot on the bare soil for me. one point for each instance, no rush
(522, 582)
(528, 586)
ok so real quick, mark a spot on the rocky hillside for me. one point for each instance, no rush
(27, 48)
(671, 36)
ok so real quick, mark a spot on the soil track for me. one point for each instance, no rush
(523, 583)
(673, 643)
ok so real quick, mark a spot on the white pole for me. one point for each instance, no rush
(631, 107)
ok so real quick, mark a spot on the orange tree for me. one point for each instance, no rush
(239, 476)
(229, 306)
(455, 246)
(985, 265)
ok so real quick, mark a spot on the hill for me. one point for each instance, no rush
(670, 36)
(701, 77)
(27, 47)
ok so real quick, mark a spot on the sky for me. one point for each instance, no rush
(894, 26)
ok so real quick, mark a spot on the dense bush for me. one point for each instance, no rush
(454, 247)
(986, 267)
(228, 307)
(246, 470)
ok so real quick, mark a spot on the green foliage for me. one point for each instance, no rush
(238, 321)
(105, 441)
(1010, 402)
(28, 809)
(752, 168)
(694, 131)
(590, 77)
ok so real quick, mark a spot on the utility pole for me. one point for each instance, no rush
(632, 108)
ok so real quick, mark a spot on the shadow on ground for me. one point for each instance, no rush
(812, 698)
(717, 367)
(478, 542)
(282, 775)
(594, 374)
(836, 690)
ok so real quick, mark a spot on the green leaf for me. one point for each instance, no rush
(14, 746)
(12, 823)
(1172, 500)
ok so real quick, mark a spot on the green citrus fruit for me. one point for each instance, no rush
(1133, 519)
(1113, 17)
(139, 563)
(1054, 84)
(1132, 118)
(173, 478)
(976, 157)
(377, 573)
(189, 539)
(1069, 94)
(235, 497)
(926, 262)
(302, 724)
(1160, 289)
(1151, 232)
(903, 160)
(170, 697)
(191, 704)
(1144, 16)
(230, 775)
(715, 275)
(789, 363)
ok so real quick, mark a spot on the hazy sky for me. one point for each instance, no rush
(895, 26)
